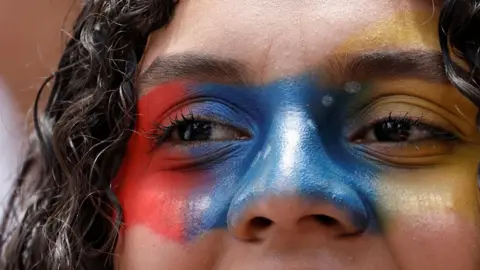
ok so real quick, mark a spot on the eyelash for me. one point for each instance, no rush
(418, 122)
(162, 132)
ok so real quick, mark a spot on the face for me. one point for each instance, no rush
(299, 135)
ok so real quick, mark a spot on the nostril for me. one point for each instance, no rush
(326, 220)
(260, 223)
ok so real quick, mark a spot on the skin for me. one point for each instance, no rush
(295, 179)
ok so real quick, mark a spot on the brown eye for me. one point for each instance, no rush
(193, 131)
(404, 141)
(393, 130)
(200, 130)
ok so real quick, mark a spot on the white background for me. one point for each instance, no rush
(12, 141)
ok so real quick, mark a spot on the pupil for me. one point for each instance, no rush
(195, 131)
(392, 131)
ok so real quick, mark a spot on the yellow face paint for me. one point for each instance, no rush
(402, 31)
(416, 190)
(449, 188)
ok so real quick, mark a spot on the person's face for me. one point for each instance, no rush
(299, 135)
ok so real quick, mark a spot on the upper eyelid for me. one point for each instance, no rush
(432, 112)
(210, 109)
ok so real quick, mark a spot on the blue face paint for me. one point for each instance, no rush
(297, 147)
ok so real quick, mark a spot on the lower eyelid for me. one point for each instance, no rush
(190, 156)
(409, 154)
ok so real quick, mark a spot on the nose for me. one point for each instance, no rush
(291, 213)
(304, 181)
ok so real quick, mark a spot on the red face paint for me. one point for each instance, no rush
(149, 194)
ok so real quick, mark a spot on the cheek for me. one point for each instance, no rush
(148, 196)
(152, 197)
(449, 188)
(431, 214)
(442, 240)
(141, 248)
(158, 201)
(161, 200)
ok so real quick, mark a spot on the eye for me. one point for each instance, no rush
(393, 130)
(190, 130)
(404, 129)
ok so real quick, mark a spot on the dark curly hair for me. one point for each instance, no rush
(60, 213)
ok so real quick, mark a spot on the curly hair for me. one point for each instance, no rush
(60, 215)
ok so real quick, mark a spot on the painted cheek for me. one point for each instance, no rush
(152, 198)
(414, 197)
(431, 213)
(157, 201)
(148, 196)
(155, 198)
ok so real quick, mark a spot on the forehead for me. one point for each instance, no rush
(279, 38)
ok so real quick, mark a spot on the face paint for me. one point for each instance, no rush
(145, 200)
(297, 146)
(303, 152)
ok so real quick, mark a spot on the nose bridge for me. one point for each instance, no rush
(282, 156)
(294, 162)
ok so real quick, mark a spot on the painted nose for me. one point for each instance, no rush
(302, 182)
(295, 214)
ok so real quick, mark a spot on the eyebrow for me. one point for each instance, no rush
(417, 64)
(192, 67)
(424, 65)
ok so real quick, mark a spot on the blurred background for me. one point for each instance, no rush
(32, 35)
